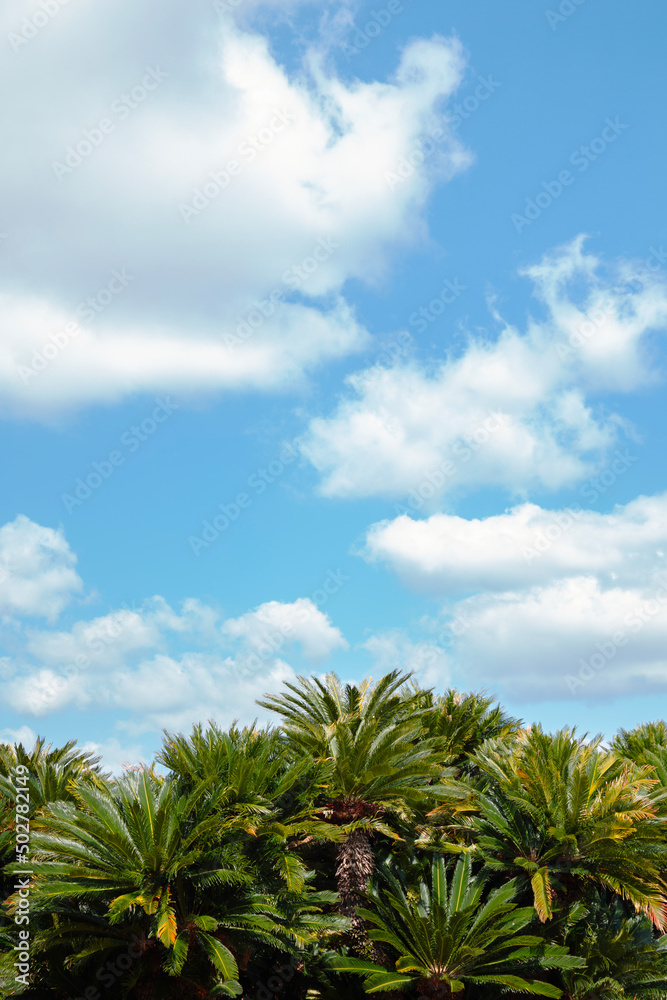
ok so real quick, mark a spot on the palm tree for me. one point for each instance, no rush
(646, 746)
(464, 721)
(562, 815)
(258, 779)
(140, 861)
(633, 744)
(260, 775)
(54, 772)
(461, 723)
(53, 775)
(623, 958)
(250, 762)
(446, 936)
(378, 764)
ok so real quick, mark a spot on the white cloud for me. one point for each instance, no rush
(158, 668)
(106, 365)
(526, 546)
(37, 570)
(394, 650)
(24, 735)
(175, 693)
(306, 208)
(117, 756)
(562, 603)
(273, 625)
(573, 638)
(38, 692)
(240, 9)
(103, 643)
(514, 412)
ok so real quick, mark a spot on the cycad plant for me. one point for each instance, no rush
(377, 764)
(252, 764)
(53, 775)
(634, 743)
(54, 772)
(563, 815)
(261, 782)
(448, 935)
(463, 722)
(139, 861)
(624, 959)
(646, 747)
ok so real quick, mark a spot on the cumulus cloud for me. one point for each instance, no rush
(37, 570)
(526, 546)
(273, 625)
(543, 604)
(106, 365)
(104, 642)
(24, 735)
(117, 756)
(514, 412)
(300, 204)
(394, 650)
(202, 687)
(155, 692)
(573, 638)
(158, 667)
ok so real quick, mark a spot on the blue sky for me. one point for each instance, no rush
(354, 314)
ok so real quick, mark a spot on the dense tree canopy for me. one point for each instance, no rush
(379, 838)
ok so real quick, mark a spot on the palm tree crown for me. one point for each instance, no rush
(377, 763)
(563, 814)
(448, 936)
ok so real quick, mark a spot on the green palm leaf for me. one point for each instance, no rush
(221, 956)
